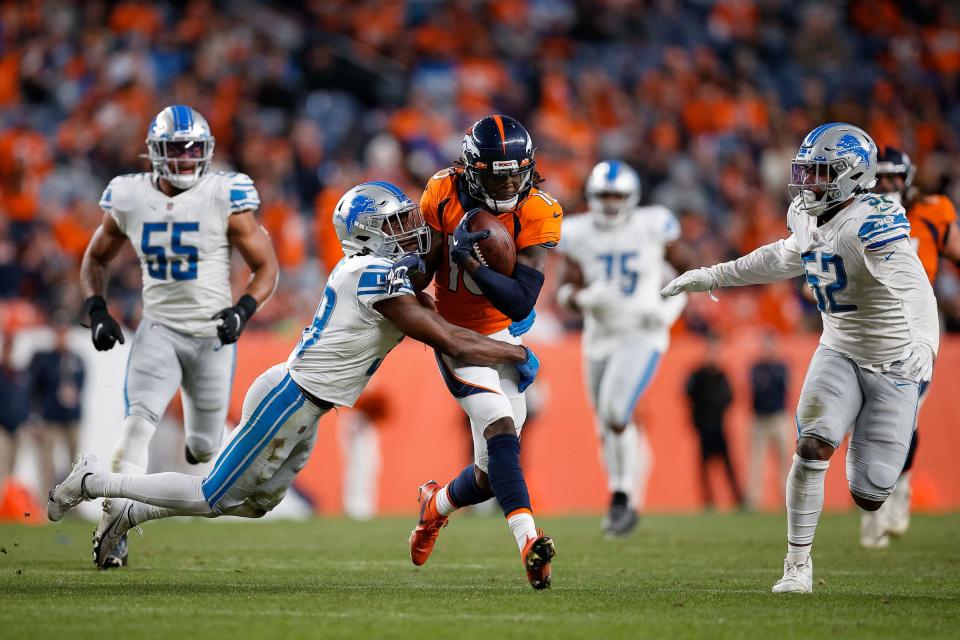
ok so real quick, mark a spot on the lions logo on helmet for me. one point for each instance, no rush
(180, 145)
(613, 191)
(836, 161)
(498, 163)
(379, 219)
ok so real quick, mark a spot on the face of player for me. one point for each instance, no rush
(183, 156)
(503, 187)
(403, 226)
(611, 204)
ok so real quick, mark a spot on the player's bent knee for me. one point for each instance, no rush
(810, 448)
(498, 427)
(616, 427)
(872, 483)
(865, 504)
(201, 448)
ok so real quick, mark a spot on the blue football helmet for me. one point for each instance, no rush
(180, 146)
(836, 161)
(379, 219)
(498, 163)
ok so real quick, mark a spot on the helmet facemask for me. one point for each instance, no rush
(610, 207)
(181, 162)
(404, 231)
(502, 188)
(815, 185)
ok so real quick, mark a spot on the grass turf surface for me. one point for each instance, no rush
(679, 576)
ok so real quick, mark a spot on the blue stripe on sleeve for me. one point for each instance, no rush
(883, 243)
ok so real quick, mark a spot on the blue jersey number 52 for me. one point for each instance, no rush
(156, 254)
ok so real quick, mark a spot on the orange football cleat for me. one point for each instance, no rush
(424, 536)
(537, 555)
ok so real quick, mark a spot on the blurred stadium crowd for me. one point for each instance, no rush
(708, 100)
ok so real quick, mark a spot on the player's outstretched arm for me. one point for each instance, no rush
(779, 260)
(253, 243)
(428, 327)
(431, 260)
(104, 246)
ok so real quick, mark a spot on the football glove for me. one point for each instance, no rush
(234, 319)
(104, 330)
(520, 327)
(528, 370)
(464, 239)
(696, 280)
(917, 362)
(598, 298)
(399, 274)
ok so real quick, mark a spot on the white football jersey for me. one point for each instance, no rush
(348, 338)
(631, 255)
(182, 243)
(861, 316)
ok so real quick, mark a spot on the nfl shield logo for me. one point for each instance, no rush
(169, 206)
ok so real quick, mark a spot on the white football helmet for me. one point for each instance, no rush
(613, 190)
(180, 146)
(836, 161)
(378, 218)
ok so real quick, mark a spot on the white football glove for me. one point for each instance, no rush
(917, 359)
(598, 297)
(696, 280)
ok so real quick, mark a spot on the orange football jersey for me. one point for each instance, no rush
(930, 218)
(459, 299)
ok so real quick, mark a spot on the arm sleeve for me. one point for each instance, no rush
(898, 268)
(514, 297)
(777, 261)
(243, 195)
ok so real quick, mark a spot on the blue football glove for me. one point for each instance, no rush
(399, 274)
(528, 370)
(464, 239)
(520, 327)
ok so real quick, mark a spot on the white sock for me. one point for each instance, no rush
(172, 490)
(141, 512)
(131, 450)
(444, 506)
(804, 504)
(621, 456)
(643, 468)
(522, 527)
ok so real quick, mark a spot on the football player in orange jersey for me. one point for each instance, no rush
(934, 234)
(497, 173)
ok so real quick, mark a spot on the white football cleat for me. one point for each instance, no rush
(898, 513)
(797, 577)
(110, 536)
(69, 493)
(873, 528)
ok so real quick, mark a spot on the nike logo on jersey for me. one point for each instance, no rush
(902, 384)
(557, 215)
(888, 256)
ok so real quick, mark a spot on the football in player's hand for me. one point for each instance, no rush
(497, 251)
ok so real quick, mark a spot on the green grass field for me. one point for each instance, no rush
(679, 576)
